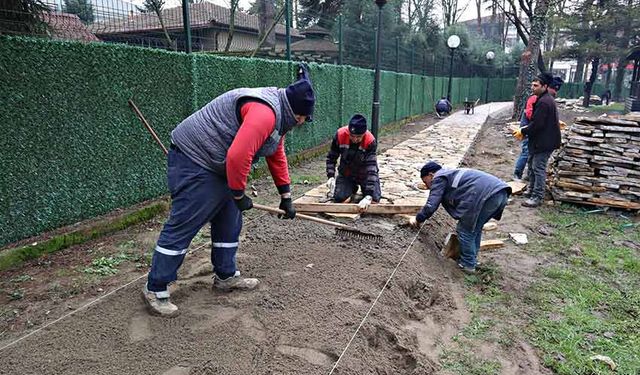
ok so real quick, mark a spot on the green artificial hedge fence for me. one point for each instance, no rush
(72, 149)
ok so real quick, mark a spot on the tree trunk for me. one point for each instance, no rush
(479, 10)
(531, 54)
(617, 88)
(232, 24)
(267, 14)
(592, 79)
(579, 70)
(164, 29)
(607, 77)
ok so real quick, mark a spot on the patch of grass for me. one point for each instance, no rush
(15, 295)
(16, 256)
(463, 362)
(21, 279)
(478, 327)
(105, 266)
(615, 107)
(312, 180)
(588, 302)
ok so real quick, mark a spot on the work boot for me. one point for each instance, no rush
(532, 202)
(527, 194)
(467, 270)
(235, 282)
(158, 303)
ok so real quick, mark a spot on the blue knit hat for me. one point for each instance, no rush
(430, 167)
(300, 93)
(357, 124)
(301, 97)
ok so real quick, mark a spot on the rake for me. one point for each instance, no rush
(342, 230)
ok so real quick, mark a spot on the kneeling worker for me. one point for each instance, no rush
(356, 147)
(470, 196)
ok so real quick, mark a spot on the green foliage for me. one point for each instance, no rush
(588, 302)
(83, 8)
(105, 266)
(75, 149)
(23, 17)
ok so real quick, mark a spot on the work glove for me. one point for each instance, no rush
(413, 222)
(287, 206)
(364, 203)
(331, 185)
(562, 125)
(518, 134)
(244, 203)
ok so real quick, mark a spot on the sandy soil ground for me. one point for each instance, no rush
(316, 290)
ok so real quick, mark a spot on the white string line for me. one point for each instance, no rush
(335, 365)
(82, 307)
(99, 299)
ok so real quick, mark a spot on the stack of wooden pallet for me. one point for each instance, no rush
(599, 163)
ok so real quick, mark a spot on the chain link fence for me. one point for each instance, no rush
(119, 21)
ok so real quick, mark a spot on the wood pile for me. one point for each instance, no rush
(599, 163)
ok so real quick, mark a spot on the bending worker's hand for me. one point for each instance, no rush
(518, 134)
(413, 222)
(364, 203)
(287, 206)
(243, 203)
(331, 185)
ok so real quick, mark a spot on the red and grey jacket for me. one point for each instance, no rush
(357, 161)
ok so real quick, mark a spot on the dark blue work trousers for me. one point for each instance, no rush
(198, 197)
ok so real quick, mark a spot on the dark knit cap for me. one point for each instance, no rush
(556, 83)
(545, 78)
(301, 97)
(357, 124)
(430, 167)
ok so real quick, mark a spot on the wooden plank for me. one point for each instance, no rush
(491, 244)
(517, 187)
(606, 120)
(350, 208)
(580, 187)
(615, 203)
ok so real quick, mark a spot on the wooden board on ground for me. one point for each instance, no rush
(351, 208)
(517, 187)
(491, 244)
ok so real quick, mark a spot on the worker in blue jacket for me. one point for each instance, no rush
(470, 196)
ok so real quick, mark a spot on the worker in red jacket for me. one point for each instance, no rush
(356, 147)
(210, 159)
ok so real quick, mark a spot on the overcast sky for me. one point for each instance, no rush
(470, 12)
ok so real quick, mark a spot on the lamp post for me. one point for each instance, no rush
(453, 42)
(489, 57)
(375, 109)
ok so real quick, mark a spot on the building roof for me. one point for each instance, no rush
(202, 15)
(315, 45)
(316, 30)
(68, 27)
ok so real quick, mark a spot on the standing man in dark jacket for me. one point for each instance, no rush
(470, 196)
(356, 147)
(210, 158)
(544, 137)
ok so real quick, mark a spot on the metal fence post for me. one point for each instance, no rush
(186, 19)
(340, 39)
(287, 6)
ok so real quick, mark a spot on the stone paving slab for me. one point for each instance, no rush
(446, 141)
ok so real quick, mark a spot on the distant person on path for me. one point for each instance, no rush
(606, 97)
(209, 161)
(443, 106)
